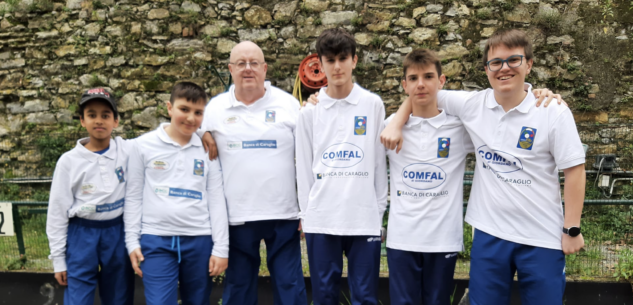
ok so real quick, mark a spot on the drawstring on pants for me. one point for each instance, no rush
(176, 240)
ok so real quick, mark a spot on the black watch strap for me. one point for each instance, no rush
(572, 231)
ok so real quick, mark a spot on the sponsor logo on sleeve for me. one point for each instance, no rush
(120, 174)
(373, 239)
(342, 155)
(443, 147)
(270, 116)
(360, 125)
(423, 176)
(198, 167)
(527, 137)
(159, 165)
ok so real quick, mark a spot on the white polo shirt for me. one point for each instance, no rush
(427, 178)
(174, 190)
(516, 192)
(341, 164)
(256, 149)
(85, 185)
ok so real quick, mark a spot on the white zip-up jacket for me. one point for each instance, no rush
(174, 190)
(341, 164)
(85, 185)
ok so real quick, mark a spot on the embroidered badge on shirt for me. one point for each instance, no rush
(270, 116)
(399, 193)
(319, 176)
(527, 137)
(360, 125)
(198, 167)
(120, 174)
(159, 164)
(88, 188)
(443, 147)
(231, 120)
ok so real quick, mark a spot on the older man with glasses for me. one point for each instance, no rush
(253, 125)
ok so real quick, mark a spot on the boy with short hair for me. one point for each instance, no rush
(175, 217)
(84, 223)
(342, 177)
(515, 202)
(425, 219)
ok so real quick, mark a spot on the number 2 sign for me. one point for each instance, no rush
(6, 219)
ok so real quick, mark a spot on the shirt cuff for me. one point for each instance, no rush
(131, 246)
(221, 250)
(59, 264)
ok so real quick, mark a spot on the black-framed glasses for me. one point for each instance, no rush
(241, 65)
(513, 61)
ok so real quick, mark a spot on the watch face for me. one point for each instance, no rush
(574, 231)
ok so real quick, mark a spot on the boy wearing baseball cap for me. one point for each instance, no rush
(85, 223)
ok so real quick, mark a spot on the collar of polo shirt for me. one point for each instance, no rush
(90, 155)
(328, 102)
(436, 121)
(162, 134)
(527, 103)
(233, 102)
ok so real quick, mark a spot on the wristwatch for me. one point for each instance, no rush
(572, 231)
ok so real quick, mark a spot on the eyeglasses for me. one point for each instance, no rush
(241, 65)
(513, 61)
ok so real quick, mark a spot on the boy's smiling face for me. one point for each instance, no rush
(508, 79)
(422, 84)
(338, 68)
(186, 116)
(98, 118)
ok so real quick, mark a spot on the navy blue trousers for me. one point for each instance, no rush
(494, 261)
(421, 277)
(283, 251)
(325, 254)
(94, 245)
(172, 261)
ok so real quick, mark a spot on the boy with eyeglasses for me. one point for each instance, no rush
(515, 203)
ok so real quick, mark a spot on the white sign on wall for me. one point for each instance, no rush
(6, 219)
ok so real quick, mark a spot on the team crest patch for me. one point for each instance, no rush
(360, 125)
(120, 174)
(527, 137)
(443, 147)
(319, 176)
(270, 116)
(399, 193)
(198, 167)
(231, 120)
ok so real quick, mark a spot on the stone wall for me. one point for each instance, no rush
(51, 51)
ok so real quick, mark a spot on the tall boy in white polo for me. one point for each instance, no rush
(515, 202)
(342, 177)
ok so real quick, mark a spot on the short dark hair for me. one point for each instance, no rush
(511, 38)
(335, 41)
(82, 107)
(421, 58)
(189, 91)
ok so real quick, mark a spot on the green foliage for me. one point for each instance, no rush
(40, 195)
(407, 40)
(317, 21)
(51, 148)
(442, 30)
(483, 14)
(98, 5)
(357, 21)
(549, 18)
(624, 267)
(95, 81)
(226, 31)
(281, 22)
(10, 192)
(376, 41)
